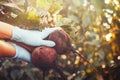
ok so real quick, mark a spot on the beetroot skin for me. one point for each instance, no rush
(44, 57)
(62, 40)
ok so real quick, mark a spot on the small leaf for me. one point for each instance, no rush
(32, 16)
(14, 6)
(87, 20)
(98, 4)
(101, 54)
(43, 4)
(55, 9)
(93, 42)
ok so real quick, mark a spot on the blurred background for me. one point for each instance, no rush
(93, 25)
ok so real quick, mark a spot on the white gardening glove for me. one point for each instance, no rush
(33, 37)
(22, 53)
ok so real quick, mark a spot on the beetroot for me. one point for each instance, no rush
(44, 57)
(62, 40)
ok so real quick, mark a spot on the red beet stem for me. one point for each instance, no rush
(43, 76)
(78, 54)
(27, 47)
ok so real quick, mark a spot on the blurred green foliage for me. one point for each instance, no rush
(93, 26)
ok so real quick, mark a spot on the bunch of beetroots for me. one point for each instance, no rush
(46, 57)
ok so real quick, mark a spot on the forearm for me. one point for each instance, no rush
(6, 49)
(9, 49)
(5, 30)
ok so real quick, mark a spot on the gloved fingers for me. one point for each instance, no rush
(48, 31)
(33, 37)
(47, 43)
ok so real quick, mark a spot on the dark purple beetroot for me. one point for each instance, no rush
(62, 40)
(44, 57)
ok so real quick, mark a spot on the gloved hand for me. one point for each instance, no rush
(22, 53)
(33, 37)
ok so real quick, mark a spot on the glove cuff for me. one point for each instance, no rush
(16, 33)
(22, 53)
